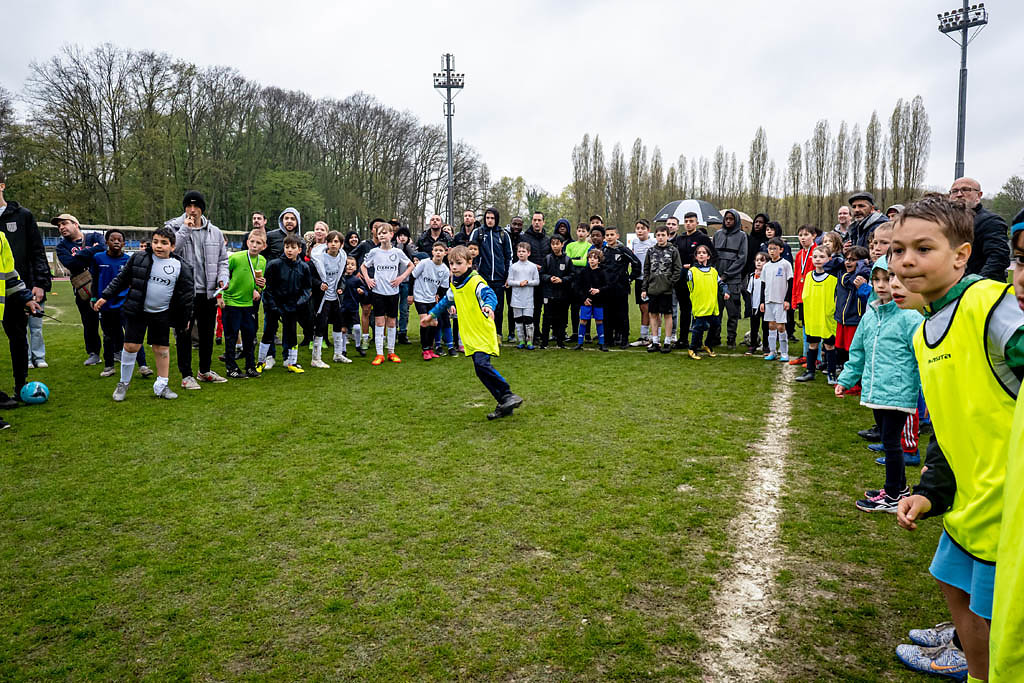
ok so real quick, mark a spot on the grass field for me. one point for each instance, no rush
(369, 523)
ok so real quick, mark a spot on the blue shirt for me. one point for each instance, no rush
(104, 269)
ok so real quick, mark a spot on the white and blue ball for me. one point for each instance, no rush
(35, 392)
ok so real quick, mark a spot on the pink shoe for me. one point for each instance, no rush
(427, 355)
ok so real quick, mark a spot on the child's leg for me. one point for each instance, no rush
(971, 629)
(162, 358)
(517, 313)
(654, 327)
(697, 334)
(811, 355)
(341, 343)
(378, 333)
(231, 320)
(289, 340)
(490, 377)
(528, 325)
(830, 360)
(599, 323)
(247, 332)
(270, 321)
(890, 424)
(585, 313)
(667, 317)
(391, 322)
(765, 329)
(128, 361)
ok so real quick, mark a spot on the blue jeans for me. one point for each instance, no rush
(403, 307)
(701, 324)
(36, 345)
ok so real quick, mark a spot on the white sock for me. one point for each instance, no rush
(391, 339)
(159, 385)
(378, 339)
(293, 356)
(264, 350)
(127, 365)
(339, 342)
(318, 344)
(773, 340)
(357, 334)
(645, 331)
(529, 334)
(520, 332)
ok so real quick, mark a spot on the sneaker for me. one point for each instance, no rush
(561, 345)
(260, 367)
(4, 424)
(211, 377)
(530, 347)
(31, 365)
(190, 383)
(909, 460)
(108, 371)
(93, 359)
(806, 377)
(876, 447)
(510, 339)
(317, 363)
(402, 338)
(667, 348)
(362, 351)
(269, 363)
(883, 502)
(120, 391)
(945, 660)
(640, 342)
(235, 373)
(783, 358)
(167, 393)
(750, 351)
(41, 364)
(693, 354)
(521, 346)
(6, 402)
(799, 361)
(294, 368)
(870, 434)
(510, 403)
(655, 347)
(832, 380)
(146, 371)
(252, 373)
(578, 347)
(393, 357)
(873, 493)
(771, 356)
(427, 355)
(936, 636)
(453, 352)
(707, 349)
(602, 347)
(377, 360)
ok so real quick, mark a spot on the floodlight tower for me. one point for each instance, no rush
(447, 80)
(961, 21)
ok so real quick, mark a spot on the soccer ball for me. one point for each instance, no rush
(35, 392)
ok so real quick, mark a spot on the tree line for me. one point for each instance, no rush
(116, 136)
(809, 187)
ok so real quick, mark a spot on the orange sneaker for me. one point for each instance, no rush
(393, 357)
(799, 361)
(377, 360)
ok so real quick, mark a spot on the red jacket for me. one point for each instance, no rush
(801, 266)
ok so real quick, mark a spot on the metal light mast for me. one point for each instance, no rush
(447, 80)
(950, 23)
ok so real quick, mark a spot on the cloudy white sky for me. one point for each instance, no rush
(682, 75)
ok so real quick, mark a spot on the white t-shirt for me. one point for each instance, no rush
(640, 248)
(163, 275)
(754, 289)
(387, 264)
(329, 268)
(776, 276)
(429, 277)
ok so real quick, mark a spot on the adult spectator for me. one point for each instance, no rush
(73, 242)
(288, 223)
(515, 230)
(432, 235)
(731, 245)
(990, 251)
(844, 219)
(200, 244)
(893, 211)
(30, 268)
(866, 219)
(756, 241)
(540, 247)
(495, 256)
(13, 294)
(259, 222)
(469, 224)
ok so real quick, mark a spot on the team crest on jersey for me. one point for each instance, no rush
(169, 269)
(392, 257)
(12, 227)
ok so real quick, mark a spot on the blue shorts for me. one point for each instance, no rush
(954, 566)
(588, 312)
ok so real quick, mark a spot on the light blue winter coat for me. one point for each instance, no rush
(882, 358)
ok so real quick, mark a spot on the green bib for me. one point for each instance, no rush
(476, 329)
(970, 393)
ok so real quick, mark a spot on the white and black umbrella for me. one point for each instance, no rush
(706, 212)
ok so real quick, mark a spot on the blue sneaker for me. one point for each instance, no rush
(771, 356)
(945, 660)
(938, 635)
(876, 447)
(909, 460)
(783, 359)
(529, 347)
(520, 346)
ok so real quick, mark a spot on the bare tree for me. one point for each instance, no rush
(872, 153)
(757, 165)
(856, 157)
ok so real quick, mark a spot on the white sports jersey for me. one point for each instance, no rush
(387, 264)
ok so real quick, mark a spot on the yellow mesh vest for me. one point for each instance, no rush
(476, 330)
(819, 299)
(6, 268)
(971, 413)
(1007, 655)
(704, 292)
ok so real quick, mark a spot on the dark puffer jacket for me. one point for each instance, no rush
(26, 242)
(990, 252)
(135, 277)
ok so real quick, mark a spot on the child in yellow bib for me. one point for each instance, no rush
(704, 285)
(819, 312)
(474, 302)
(970, 354)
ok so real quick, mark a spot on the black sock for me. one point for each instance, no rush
(812, 360)
(830, 362)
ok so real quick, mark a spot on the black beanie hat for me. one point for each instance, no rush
(194, 197)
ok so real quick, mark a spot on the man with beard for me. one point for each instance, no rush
(469, 224)
(540, 247)
(866, 219)
(69, 252)
(432, 235)
(990, 251)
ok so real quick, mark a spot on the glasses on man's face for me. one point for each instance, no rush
(962, 190)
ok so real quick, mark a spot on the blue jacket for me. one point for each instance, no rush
(495, 250)
(104, 269)
(850, 302)
(69, 252)
(882, 358)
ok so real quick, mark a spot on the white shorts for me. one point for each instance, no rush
(774, 313)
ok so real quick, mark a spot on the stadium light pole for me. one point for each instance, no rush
(961, 21)
(447, 80)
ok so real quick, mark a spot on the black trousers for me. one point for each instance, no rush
(685, 310)
(616, 317)
(731, 308)
(507, 298)
(112, 324)
(16, 328)
(890, 424)
(204, 318)
(288, 321)
(239, 319)
(538, 305)
(758, 330)
(490, 377)
(556, 315)
(90, 325)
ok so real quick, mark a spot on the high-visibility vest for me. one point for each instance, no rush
(476, 330)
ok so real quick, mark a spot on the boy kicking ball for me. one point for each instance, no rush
(474, 303)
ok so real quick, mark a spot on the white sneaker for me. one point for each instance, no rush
(31, 365)
(168, 394)
(41, 364)
(190, 383)
(120, 391)
(145, 371)
(269, 363)
(341, 358)
(212, 376)
(317, 363)
(93, 359)
(107, 371)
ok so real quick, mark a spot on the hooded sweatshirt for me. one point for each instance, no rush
(731, 245)
(204, 250)
(495, 249)
(275, 238)
(756, 241)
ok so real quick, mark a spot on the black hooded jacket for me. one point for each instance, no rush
(495, 249)
(622, 267)
(540, 245)
(756, 241)
(990, 251)
(731, 245)
(26, 242)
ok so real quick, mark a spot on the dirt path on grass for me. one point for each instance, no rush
(744, 613)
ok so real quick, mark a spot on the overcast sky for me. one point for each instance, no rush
(684, 76)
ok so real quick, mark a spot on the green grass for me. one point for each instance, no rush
(369, 523)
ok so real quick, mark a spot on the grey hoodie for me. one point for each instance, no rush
(202, 248)
(275, 238)
(731, 245)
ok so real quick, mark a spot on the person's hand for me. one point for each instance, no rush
(726, 296)
(397, 281)
(359, 291)
(761, 308)
(839, 391)
(488, 311)
(409, 299)
(643, 295)
(508, 286)
(323, 286)
(33, 307)
(99, 304)
(594, 291)
(255, 296)
(451, 310)
(555, 280)
(38, 293)
(189, 221)
(371, 283)
(910, 510)
(523, 283)
(859, 280)
(261, 282)
(785, 305)
(220, 302)
(586, 302)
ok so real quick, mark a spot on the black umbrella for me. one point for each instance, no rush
(706, 212)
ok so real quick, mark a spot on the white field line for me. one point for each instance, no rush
(744, 613)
